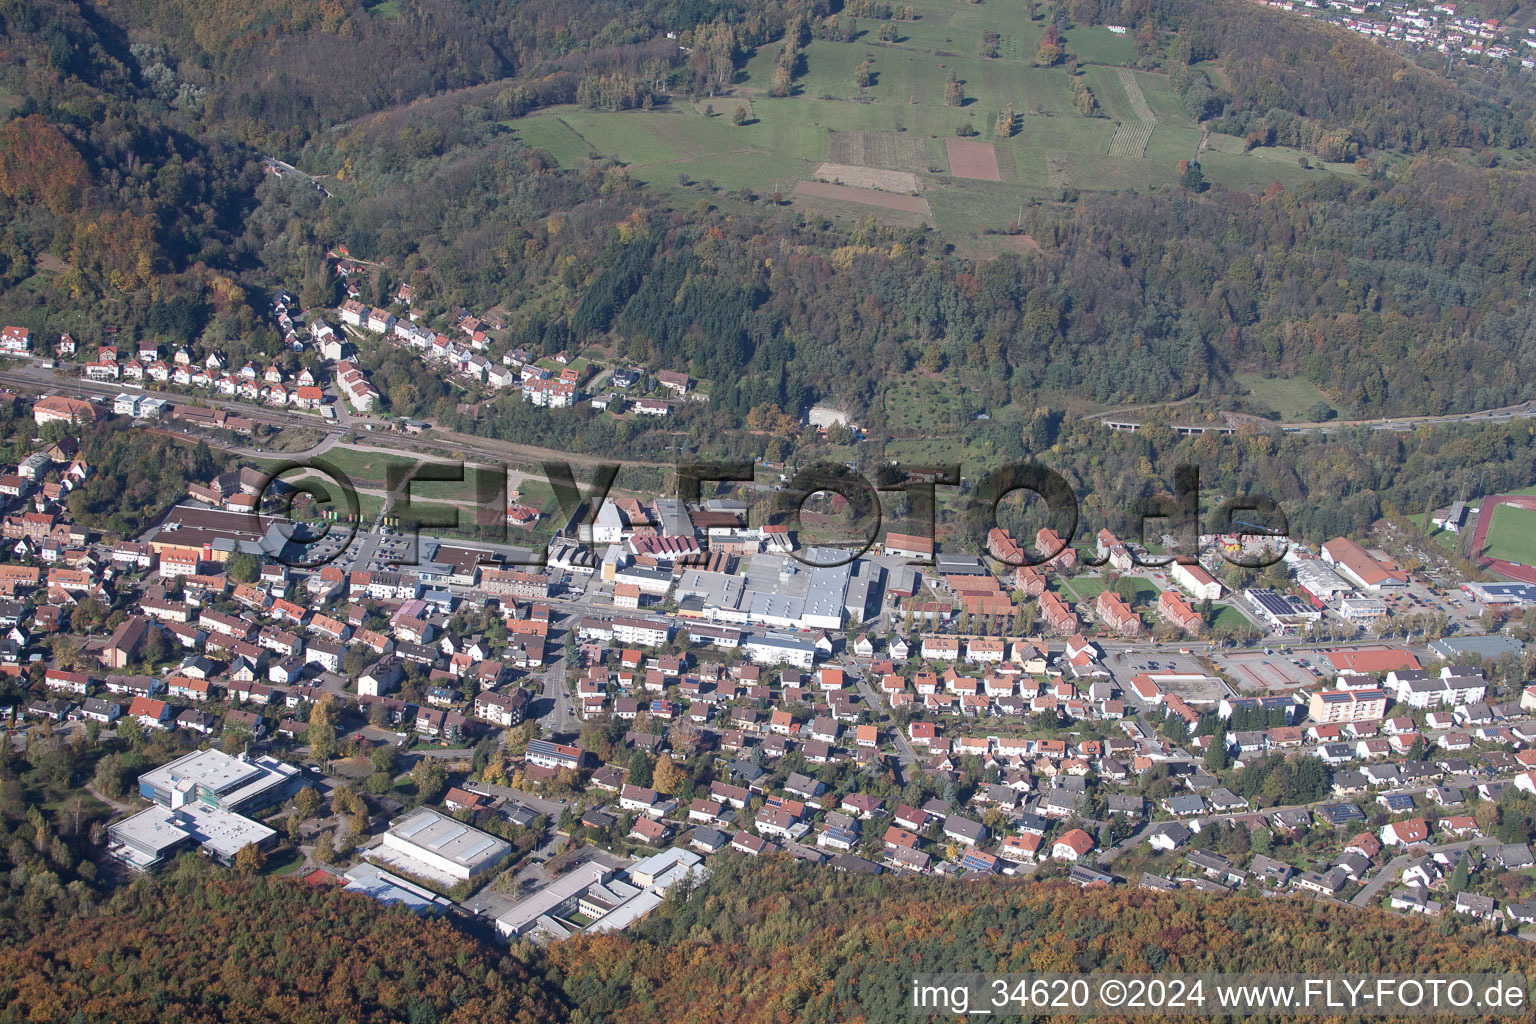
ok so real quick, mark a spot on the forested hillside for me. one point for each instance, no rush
(787, 942)
(763, 940)
(206, 947)
(132, 194)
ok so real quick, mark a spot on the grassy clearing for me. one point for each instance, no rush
(369, 502)
(1099, 172)
(550, 132)
(631, 133)
(1259, 169)
(1445, 538)
(975, 458)
(1165, 103)
(366, 469)
(919, 405)
(1105, 83)
(1095, 44)
(1292, 397)
(1085, 590)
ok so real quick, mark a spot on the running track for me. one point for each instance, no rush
(1518, 573)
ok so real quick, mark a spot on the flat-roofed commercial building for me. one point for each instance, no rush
(1283, 613)
(391, 890)
(542, 907)
(1520, 594)
(436, 846)
(776, 649)
(147, 840)
(211, 777)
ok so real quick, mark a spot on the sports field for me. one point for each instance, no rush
(967, 177)
(1512, 535)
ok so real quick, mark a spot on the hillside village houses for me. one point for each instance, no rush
(467, 352)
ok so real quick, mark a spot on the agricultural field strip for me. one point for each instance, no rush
(1131, 139)
(868, 177)
(893, 151)
(864, 196)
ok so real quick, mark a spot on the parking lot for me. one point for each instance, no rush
(1125, 665)
(1259, 673)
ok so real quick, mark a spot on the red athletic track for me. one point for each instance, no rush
(1518, 573)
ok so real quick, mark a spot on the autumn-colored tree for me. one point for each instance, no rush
(306, 803)
(322, 728)
(666, 776)
(38, 162)
(429, 779)
(249, 859)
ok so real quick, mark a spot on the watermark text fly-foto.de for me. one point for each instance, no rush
(1175, 509)
(1219, 995)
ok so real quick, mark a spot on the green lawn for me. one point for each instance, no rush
(1095, 44)
(1228, 617)
(366, 469)
(632, 133)
(1512, 535)
(1445, 538)
(368, 504)
(1085, 588)
(1105, 83)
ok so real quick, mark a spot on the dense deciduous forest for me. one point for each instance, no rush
(1327, 486)
(1397, 296)
(769, 939)
(787, 941)
(199, 945)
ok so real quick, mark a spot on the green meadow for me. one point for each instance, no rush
(693, 149)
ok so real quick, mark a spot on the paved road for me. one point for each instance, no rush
(547, 806)
(561, 718)
(1369, 892)
(904, 750)
(287, 168)
(1523, 410)
(1107, 857)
